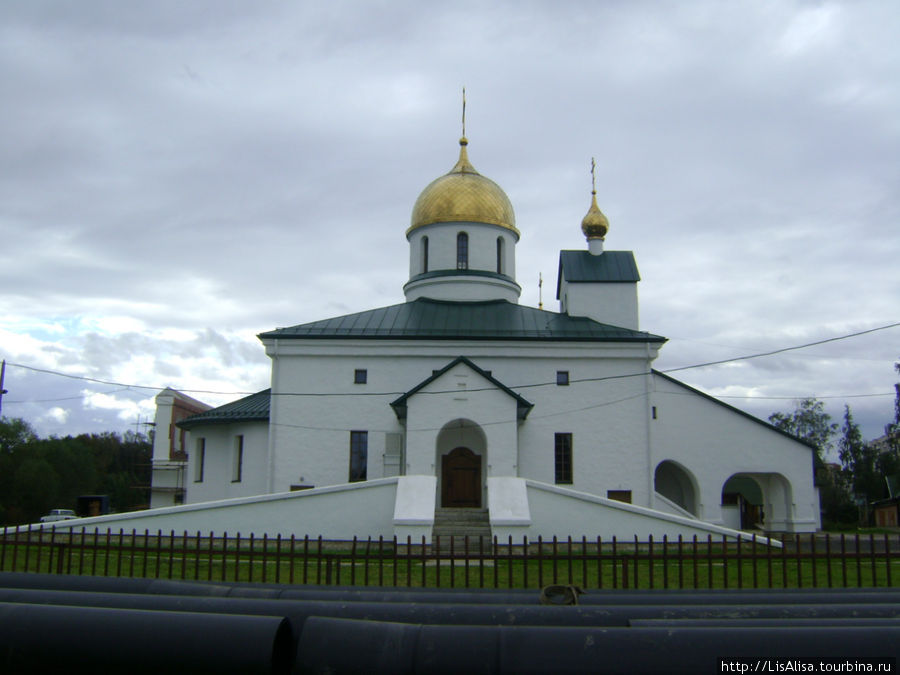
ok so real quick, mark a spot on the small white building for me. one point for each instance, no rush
(461, 398)
(167, 487)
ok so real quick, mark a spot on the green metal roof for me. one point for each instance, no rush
(608, 267)
(444, 320)
(253, 408)
(400, 405)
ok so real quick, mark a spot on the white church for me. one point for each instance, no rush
(462, 401)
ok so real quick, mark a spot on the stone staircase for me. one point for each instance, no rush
(457, 524)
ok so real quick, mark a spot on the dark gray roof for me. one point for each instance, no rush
(608, 267)
(524, 406)
(444, 320)
(253, 408)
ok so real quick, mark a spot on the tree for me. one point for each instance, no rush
(858, 459)
(888, 462)
(15, 433)
(809, 422)
(38, 474)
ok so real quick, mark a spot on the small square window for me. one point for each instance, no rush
(360, 376)
(562, 378)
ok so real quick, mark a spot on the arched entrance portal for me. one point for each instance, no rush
(461, 457)
(461, 479)
(742, 503)
(758, 501)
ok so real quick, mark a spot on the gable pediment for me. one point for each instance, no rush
(522, 405)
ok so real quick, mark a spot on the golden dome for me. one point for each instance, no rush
(463, 195)
(594, 224)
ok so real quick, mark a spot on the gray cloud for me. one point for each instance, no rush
(220, 169)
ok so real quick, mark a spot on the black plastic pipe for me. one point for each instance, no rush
(849, 622)
(433, 613)
(445, 595)
(60, 639)
(404, 648)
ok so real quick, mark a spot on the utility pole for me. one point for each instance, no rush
(2, 377)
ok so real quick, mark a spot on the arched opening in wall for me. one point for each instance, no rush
(743, 503)
(759, 501)
(499, 255)
(675, 483)
(424, 254)
(461, 460)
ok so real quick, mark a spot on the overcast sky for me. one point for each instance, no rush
(177, 177)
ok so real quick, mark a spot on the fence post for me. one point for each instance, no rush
(887, 557)
(28, 546)
(291, 559)
(665, 557)
(872, 557)
(600, 562)
(753, 558)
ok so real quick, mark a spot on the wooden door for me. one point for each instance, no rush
(461, 479)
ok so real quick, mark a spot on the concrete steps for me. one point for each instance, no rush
(457, 524)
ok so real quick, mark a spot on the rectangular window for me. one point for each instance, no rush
(237, 460)
(562, 378)
(359, 455)
(360, 376)
(199, 460)
(462, 251)
(619, 495)
(563, 458)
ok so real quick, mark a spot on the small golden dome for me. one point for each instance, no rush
(463, 195)
(594, 224)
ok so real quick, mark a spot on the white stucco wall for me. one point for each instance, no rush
(218, 466)
(337, 512)
(559, 512)
(612, 303)
(462, 408)
(714, 442)
(607, 413)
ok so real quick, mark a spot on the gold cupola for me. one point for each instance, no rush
(594, 224)
(463, 195)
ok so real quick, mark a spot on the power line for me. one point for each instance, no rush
(516, 387)
(783, 349)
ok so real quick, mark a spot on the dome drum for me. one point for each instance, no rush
(490, 248)
(462, 238)
(458, 286)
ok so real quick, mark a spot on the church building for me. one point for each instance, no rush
(544, 422)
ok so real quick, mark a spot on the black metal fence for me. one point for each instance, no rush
(808, 560)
